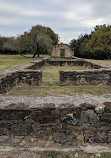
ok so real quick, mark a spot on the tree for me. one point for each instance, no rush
(9, 43)
(79, 45)
(39, 39)
(1, 43)
(95, 45)
(100, 43)
(75, 46)
(52, 35)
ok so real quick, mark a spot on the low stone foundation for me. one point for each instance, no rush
(29, 73)
(55, 121)
(13, 78)
(73, 62)
(86, 77)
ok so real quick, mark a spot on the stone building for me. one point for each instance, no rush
(62, 50)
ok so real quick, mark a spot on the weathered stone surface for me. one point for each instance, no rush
(89, 117)
(100, 108)
(65, 102)
(87, 77)
(65, 139)
(31, 77)
(107, 106)
(69, 119)
(55, 120)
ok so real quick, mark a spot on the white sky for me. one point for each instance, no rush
(68, 18)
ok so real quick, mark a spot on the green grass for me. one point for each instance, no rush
(57, 154)
(105, 155)
(8, 61)
(50, 85)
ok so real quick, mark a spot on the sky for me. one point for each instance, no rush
(68, 18)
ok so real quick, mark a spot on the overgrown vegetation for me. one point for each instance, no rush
(96, 45)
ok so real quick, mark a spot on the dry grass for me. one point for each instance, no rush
(58, 90)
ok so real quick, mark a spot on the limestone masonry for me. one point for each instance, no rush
(62, 50)
(30, 74)
(55, 121)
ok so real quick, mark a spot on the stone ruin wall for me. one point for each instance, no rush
(23, 74)
(56, 51)
(88, 77)
(30, 77)
(72, 62)
(94, 75)
(30, 74)
(55, 121)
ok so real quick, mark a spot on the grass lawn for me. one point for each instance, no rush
(50, 85)
(8, 61)
(107, 62)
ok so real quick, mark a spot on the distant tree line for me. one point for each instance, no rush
(39, 40)
(95, 45)
(8, 45)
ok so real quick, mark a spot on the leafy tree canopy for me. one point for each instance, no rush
(100, 42)
(79, 45)
(95, 45)
(38, 40)
(9, 43)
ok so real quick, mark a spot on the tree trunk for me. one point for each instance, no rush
(34, 55)
(38, 49)
(38, 55)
